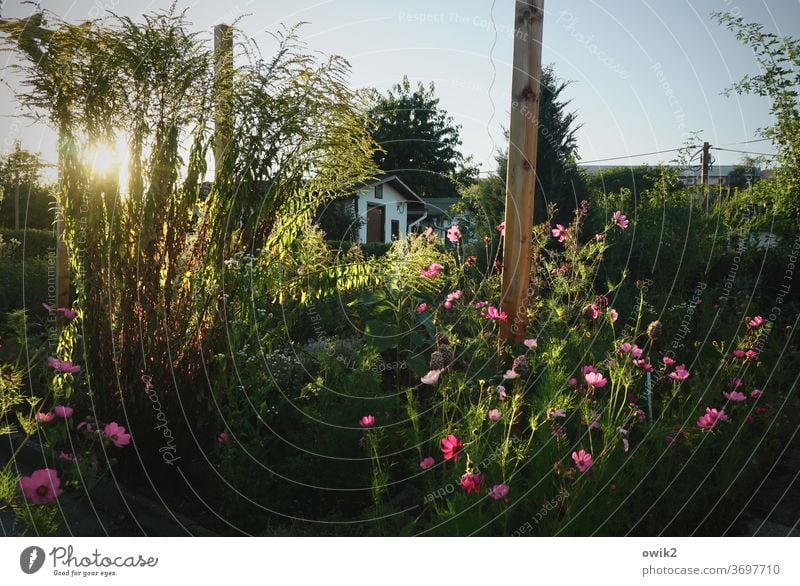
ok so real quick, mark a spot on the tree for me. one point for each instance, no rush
(744, 174)
(638, 179)
(559, 181)
(23, 198)
(420, 142)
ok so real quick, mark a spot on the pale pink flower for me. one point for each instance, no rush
(530, 343)
(499, 491)
(625, 347)
(553, 413)
(595, 379)
(427, 463)
(428, 232)
(66, 457)
(636, 352)
(451, 448)
(756, 393)
(756, 321)
(620, 219)
(422, 307)
(624, 433)
(510, 375)
(471, 483)
(44, 417)
(367, 421)
(63, 411)
(614, 315)
(595, 310)
(735, 396)
(502, 228)
(501, 393)
(680, 373)
(643, 364)
(116, 433)
(431, 271)
(64, 366)
(582, 459)
(42, 487)
(495, 414)
(711, 418)
(480, 304)
(668, 361)
(448, 304)
(599, 237)
(493, 313)
(595, 423)
(454, 233)
(736, 382)
(223, 437)
(432, 377)
(559, 232)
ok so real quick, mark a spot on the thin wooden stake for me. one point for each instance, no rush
(521, 177)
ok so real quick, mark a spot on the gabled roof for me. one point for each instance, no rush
(398, 184)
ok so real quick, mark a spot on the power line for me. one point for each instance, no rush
(746, 141)
(743, 152)
(636, 155)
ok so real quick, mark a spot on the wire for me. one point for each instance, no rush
(637, 155)
(746, 142)
(743, 152)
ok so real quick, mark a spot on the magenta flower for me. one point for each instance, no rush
(643, 364)
(451, 448)
(41, 487)
(66, 457)
(625, 347)
(736, 382)
(582, 459)
(87, 424)
(735, 396)
(738, 353)
(559, 232)
(750, 354)
(614, 315)
(68, 313)
(63, 411)
(595, 423)
(711, 418)
(422, 307)
(431, 377)
(501, 227)
(499, 491)
(493, 313)
(454, 233)
(680, 373)
(64, 366)
(572, 381)
(116, 433)
(431, 271)
(756, 321)
(480, 304)
(636, 352)
(756, 393)
(367, 421)
(471, 483)
(595, 310)
(427, 463)
(44, 417)
(620, 219)
(595, 379)
(668, 361)
(495, 414)
(223, 437)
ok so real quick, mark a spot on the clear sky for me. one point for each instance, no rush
(645, 72)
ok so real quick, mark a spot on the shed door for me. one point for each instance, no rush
(376, 227)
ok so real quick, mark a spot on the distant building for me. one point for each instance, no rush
(717, 174)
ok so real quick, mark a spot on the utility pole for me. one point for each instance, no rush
(705, 164)
(521, 174)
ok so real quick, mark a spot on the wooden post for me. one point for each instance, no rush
(16, 204)
(521, 175)
(705, 164)
(223, 82)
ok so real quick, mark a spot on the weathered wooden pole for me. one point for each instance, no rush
(521, 175)
(223, 90)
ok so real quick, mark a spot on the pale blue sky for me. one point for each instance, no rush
(645, 72)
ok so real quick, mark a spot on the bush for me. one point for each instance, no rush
(24, 284)
(33, 243)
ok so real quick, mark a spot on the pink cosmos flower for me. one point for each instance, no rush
(736, 382)
(750, 354)
(557, 413)
(668, 361)
(454, 233)
(510, 375)
(756, 393)
(223, 437)
(499, 491)
(572, 381)
(595, 423)
(116, 433)
(595, 379)
(64, 366)
(636, 352)
(480, 304)
(530, 343)
(625, 347)
(41, 487)
(451, 448)
(367, 421)
(711, 418)
(432, 271)
(756, 321)
(582, 459)
(735, 396)
(502, 228)
(471, 483)
(680, 373)
(493, 313)
(63, 411)
(495, 415)
(432, 377)
(428, 232)
(66, 457)
(68, 313)
(620, 219)
(501, 393)
(640, 415)
(738, 353)
(422, 307)
(624, 433)
(643, 364)
(587, 368)
(448, 304)
(595, 310)
(427, 463)
(87, 424)
(559, 232)
(45, 417)
(599, 237)
(614, 315)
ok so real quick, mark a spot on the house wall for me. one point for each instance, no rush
(390, 200)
